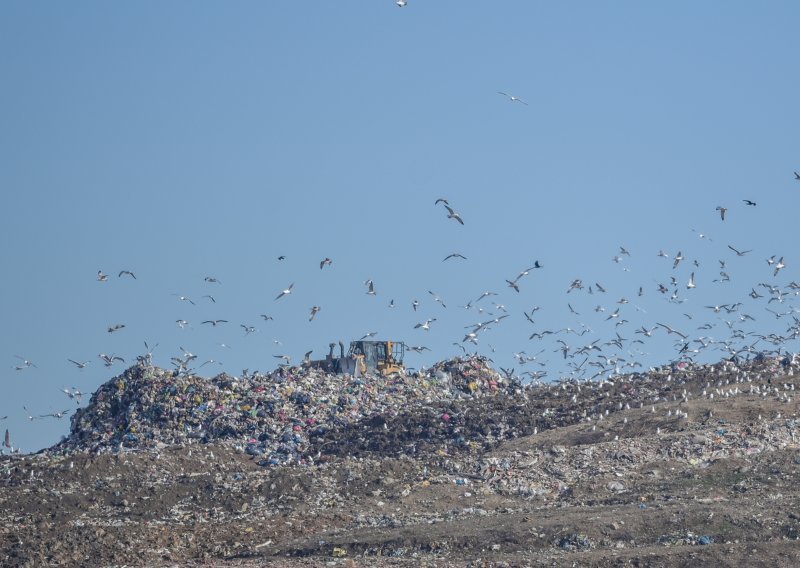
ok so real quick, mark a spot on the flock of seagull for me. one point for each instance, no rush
(584, 357)
(669, 288)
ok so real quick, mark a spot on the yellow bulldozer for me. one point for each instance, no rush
(384, 357)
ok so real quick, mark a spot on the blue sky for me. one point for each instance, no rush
(186, 140)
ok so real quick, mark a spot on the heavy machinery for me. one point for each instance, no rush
(384, 357)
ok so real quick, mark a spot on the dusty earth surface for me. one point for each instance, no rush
(609, 474)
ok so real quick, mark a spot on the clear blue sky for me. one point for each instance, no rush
(183, 140)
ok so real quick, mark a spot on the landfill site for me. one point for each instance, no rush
(459, 465)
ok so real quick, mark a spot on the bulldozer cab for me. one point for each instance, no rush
(386, 357)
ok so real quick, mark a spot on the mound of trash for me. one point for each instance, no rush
(302, 415)
(286, 416)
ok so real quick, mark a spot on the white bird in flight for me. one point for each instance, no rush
(451, 214)
(285, 292)
(512, 98)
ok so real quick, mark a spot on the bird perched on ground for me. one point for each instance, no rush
(325, 261)
(512, 98)
(722, 210)
(128, 272)
(285, 292)
(748, 202)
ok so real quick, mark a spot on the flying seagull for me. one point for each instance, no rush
(796, 176)
(437, 298)
(314, 310)
(670, 330)
(79, 364)
(25, 362)
(285, 292)
(325, 261)
(722, 210)
(128, 272)
(214, 322)
(748, 202)
(778, 267)
(401, 3)
(739, 252)
(512, 98)
(454, 255)
(370, 287)
(451, 214)
(108, 360)
(101, 277)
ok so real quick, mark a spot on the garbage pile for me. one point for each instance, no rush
(303, 415)
(287, 416)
